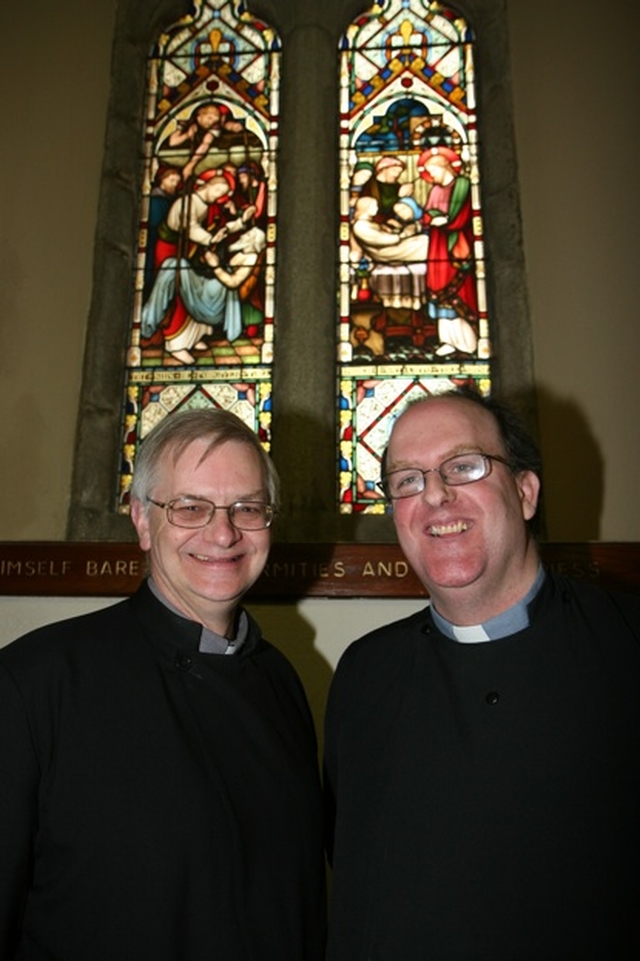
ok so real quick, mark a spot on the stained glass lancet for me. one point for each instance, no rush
(202, 330)
(412, 300)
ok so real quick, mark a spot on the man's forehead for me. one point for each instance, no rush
(455, 422)
(195, 451)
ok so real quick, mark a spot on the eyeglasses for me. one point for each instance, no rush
(454, 472)
(194, 512)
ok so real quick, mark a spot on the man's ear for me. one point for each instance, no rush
(140, 518)
(529, 490)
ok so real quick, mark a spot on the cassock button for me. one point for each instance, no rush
(492, 697)
(182, 662)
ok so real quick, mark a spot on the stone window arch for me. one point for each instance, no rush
(304, 419)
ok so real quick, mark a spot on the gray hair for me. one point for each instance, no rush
(177, 431)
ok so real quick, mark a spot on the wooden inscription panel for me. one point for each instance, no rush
(293, 571)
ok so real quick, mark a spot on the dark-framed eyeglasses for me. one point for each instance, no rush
(194, 512)
(454, 472)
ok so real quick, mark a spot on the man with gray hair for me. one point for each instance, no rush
(159, 793)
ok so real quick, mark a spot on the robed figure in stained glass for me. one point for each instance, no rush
(202, 331)
(193, 292)
(413, 312)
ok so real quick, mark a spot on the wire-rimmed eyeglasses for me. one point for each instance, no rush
(454, 472)
(194, 512)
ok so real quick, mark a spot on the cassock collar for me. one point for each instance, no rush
(509, 622)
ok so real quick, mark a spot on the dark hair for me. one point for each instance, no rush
(521, 449)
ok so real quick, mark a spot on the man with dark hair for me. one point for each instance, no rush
(483, 755)
(159, 791)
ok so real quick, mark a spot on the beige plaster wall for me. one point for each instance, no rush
(576, 75)
(54, 70)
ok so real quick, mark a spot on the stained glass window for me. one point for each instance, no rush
(412, 300)
(202, 330)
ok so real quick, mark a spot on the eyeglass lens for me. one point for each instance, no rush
(245, 515)
(455, 471)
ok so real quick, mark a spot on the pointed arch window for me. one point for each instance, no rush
(412, 293)
(202, 327)
(401, 63)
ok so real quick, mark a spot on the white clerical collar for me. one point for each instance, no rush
(210, 642)
(509, 622)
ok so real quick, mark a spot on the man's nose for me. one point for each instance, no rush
(220, 530)
(435, 491)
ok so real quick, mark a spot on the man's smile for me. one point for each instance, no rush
(208, 559)
(445, 530)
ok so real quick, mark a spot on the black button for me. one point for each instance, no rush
(492, 697)
(182, 662)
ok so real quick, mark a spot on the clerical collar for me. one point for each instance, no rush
(509, 622)
(210, 642)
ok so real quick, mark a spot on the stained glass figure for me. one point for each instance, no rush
(412, 302)
(202, 331)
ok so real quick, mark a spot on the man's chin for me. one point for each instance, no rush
(450, 577)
